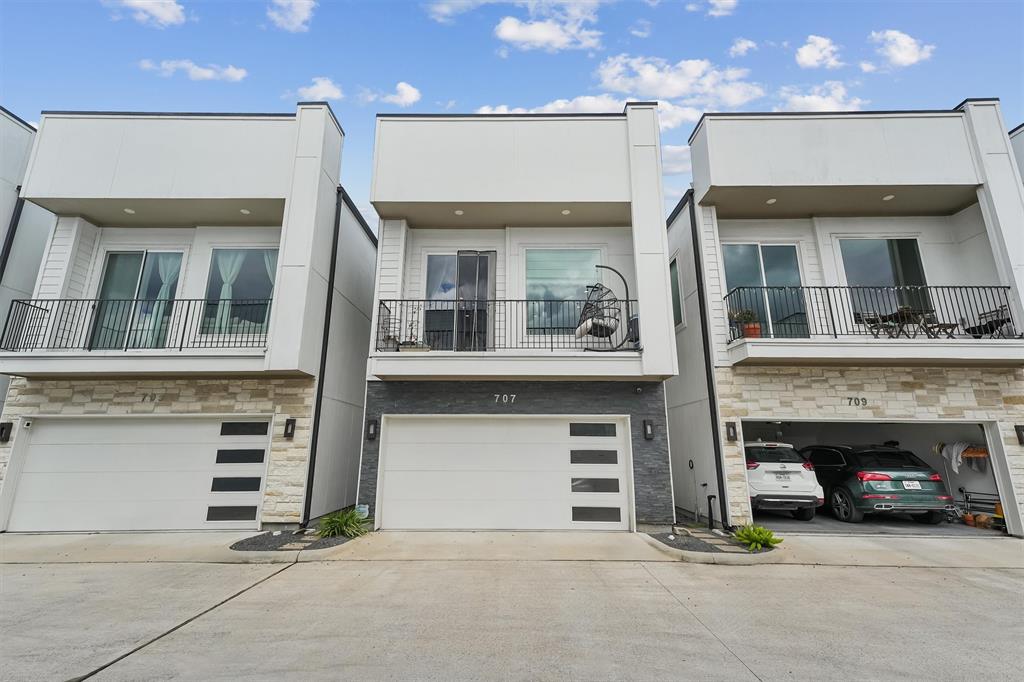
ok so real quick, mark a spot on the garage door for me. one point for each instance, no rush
(504, 473)
(139, 474)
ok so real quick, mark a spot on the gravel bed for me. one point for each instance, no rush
(686, 542)
(271, 542)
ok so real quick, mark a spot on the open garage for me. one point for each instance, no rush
(887, 469)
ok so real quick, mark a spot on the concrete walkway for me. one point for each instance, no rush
(213, 547)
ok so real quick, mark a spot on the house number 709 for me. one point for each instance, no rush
(858, 402)
(505, 398)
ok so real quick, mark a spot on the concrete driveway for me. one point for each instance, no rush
(381, 619)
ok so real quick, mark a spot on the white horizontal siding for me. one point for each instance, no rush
(425, 242)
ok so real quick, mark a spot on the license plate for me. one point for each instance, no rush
(785, 477)
(911, 485)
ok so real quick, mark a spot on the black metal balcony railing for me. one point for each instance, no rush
(915, 312)
(135, 324)
(497, 325)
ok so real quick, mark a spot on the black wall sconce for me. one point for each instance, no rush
(5, 431)
(730, 432)
(1019, 428)
(289, 428)
(371, 429)
(648, 429)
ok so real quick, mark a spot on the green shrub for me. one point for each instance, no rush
(349, 523)
(756, 537)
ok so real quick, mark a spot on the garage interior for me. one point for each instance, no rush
(970, 480)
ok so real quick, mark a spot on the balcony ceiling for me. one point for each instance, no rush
(500, 214)
(805, 202)
(169, 212)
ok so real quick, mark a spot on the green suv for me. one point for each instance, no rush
(878, 479)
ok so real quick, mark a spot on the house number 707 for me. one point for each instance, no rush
(505, 398)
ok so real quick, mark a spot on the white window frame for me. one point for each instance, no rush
(760, 257)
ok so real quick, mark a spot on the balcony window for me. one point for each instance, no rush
(556, 286)
(891, 268)
(135, 299)
(238, 291)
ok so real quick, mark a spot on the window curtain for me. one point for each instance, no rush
(270, 263)
(168, 265)
(229, 264)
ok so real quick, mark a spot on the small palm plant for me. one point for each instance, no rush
(756, 537)
(349, 523)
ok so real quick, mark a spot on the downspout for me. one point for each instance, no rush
(314, 436)
(12, 230)
(716, 436)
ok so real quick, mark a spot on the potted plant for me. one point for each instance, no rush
(747, 322)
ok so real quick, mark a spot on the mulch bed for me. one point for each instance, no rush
(286, 541)
(686, 542)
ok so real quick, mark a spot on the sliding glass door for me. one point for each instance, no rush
(767, 277)
(135, 300)
(459, 310)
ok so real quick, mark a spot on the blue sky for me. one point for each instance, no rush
(485, 55)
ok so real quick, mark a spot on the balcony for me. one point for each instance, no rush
(97, 335)
(873, 325)
(499, 338)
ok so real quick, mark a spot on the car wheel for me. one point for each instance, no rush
(843, 508)
(932, 517)
(804, 514)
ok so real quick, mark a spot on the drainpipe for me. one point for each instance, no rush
(314, 436)
(12, 229)
(716, 436)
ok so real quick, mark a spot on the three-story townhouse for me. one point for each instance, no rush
(193, 354)
(850, 278)
(522, 330)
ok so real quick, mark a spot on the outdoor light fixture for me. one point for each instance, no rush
(1019, 428)
(5, 431)
(244, 211)
(648, 429)
(566, 211)
(371, 429)
(289, 428)
(129, 211)
(459, 211)
(771, 201)
(888, 197)
(730, 432)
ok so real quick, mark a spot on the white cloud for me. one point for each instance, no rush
(552, 25)
(157, 13)
(900, 49)
(830, 96)
(210, 72)
(868, 67)
(405, 95)
(818, 51)
(692, 7)
(721, 8)
(669, 115)
(641, 28)
(291, 15)
(547, 34)
(322, 88)
(675, 159)
(698, 81)
(741, 46)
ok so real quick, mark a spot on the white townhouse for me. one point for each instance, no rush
(24, 227)
(850, 278)
(506, 389)
(192, 355)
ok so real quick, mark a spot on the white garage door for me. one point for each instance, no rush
(171, 473)
(514, 473)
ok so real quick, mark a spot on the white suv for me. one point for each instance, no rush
(779, 478)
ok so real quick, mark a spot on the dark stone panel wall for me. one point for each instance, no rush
(652, 481)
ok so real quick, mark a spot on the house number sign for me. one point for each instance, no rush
(504, 398)
(857, 402)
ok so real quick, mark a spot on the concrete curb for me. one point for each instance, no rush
(720, 558)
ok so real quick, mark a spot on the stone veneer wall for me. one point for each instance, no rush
(285, 398)
(898, 393)
(652, 478)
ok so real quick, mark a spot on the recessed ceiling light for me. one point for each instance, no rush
(459, 211)
(566, 211)
(129, 211)
(771, 201)
(888, 197)
(244, 211)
